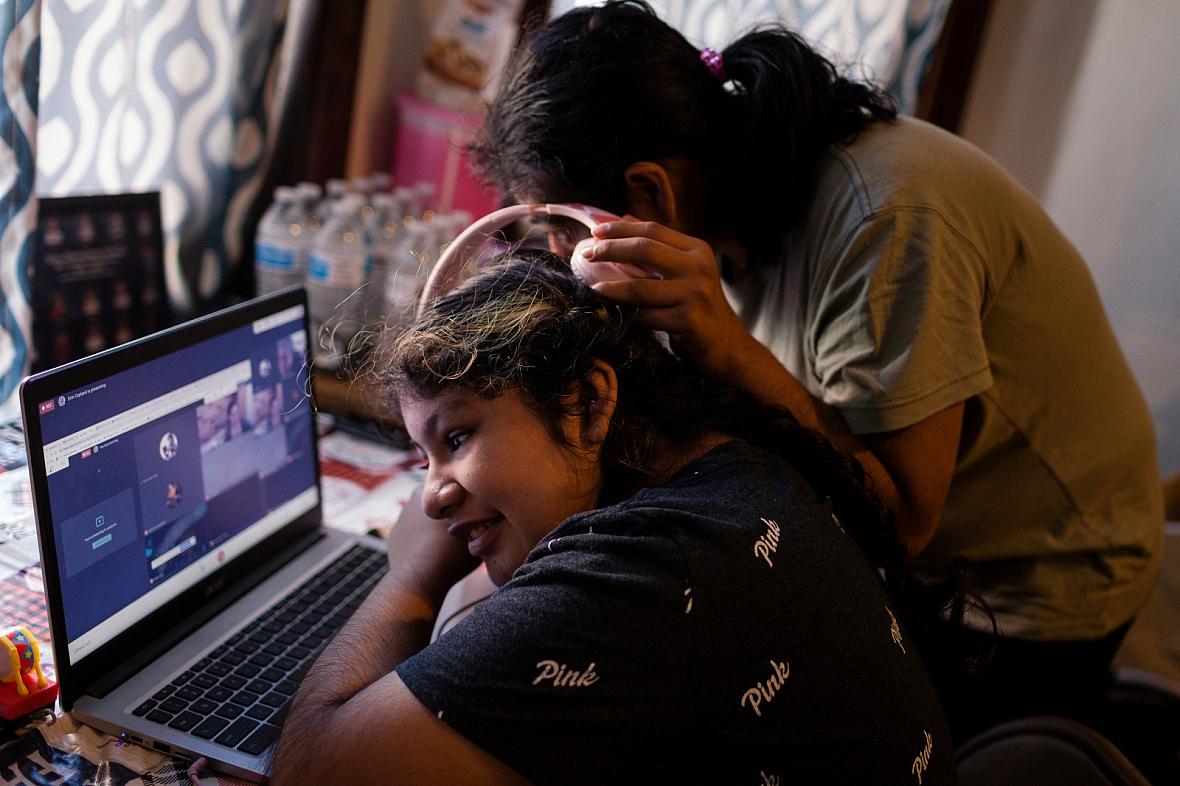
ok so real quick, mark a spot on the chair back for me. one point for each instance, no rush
(1044, 751)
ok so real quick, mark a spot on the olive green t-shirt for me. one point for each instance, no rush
(923, 276)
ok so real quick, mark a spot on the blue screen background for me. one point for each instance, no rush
(175, 489)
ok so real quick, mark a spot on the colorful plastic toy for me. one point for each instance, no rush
(23, 685)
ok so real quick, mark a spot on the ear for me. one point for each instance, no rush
(597, 395)
(650, 193)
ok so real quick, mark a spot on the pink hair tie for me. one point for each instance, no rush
(713, 61)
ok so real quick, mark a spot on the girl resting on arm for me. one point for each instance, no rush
(692, 588)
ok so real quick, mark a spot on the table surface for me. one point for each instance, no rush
(364, 484)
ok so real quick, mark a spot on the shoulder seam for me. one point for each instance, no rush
(915, 399)
(989, 289)
(860, 190)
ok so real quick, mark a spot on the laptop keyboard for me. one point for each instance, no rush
(237, 694)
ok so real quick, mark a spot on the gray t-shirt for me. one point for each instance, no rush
(924, 276)
(719, 629)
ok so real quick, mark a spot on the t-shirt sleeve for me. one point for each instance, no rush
(555, 673)
(898, 331)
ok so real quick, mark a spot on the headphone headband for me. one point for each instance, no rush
(449, 268)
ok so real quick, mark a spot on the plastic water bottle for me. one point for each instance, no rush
(335, 273)
(460, 220)
(407, 201)
(381, 182)
(385, 236)
(311, 195)
(407, 272)
(361, 187)
(335, 189)
(280, 247)
(450, 225)
(426, 193)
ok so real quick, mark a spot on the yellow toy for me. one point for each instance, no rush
(20, 655)
(24, 688)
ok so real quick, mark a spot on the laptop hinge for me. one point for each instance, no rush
(103, 685)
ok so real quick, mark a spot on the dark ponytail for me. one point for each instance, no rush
(794, 106)
(597, 89)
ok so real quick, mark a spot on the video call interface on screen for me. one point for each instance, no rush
(159, 474)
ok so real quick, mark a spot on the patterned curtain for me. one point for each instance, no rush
(20, 23)
(179, 96)
(887, 41)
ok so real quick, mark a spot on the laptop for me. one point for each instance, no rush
(176, 488)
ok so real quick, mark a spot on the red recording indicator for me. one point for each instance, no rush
(86, 453)
(47, 406)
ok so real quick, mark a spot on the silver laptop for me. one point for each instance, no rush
(189, 581)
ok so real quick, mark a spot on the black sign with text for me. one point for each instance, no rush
(97, 278)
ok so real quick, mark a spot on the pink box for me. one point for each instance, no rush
(429, 146)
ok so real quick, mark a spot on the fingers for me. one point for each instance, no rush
(631, 227)
(659, 312)
(654, 256)
(627, 227)
(644, 292)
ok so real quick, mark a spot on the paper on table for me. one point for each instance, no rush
(18, 533)
(365, 485)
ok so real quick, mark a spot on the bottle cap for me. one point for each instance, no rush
(381, 181)
(360, 185)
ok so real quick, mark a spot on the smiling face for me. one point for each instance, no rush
(496, 475)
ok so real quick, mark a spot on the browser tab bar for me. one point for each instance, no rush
(201, 391)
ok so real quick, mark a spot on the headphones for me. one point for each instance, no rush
(464, 250)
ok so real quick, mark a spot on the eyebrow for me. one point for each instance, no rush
(429, 428)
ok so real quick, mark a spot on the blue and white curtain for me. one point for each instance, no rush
(886, 41)
(20, 45)
(171, 95)
(180, 96)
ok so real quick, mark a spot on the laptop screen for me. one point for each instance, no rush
(161, 473)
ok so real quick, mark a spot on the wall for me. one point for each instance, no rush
(1079, 99)
(395, 38)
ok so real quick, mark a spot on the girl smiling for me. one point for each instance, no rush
(692, 587)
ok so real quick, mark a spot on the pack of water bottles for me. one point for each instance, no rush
(363, 249)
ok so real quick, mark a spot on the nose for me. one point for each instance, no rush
(440, 496)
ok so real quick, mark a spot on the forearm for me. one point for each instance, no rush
(750, 366)
(392, 624)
